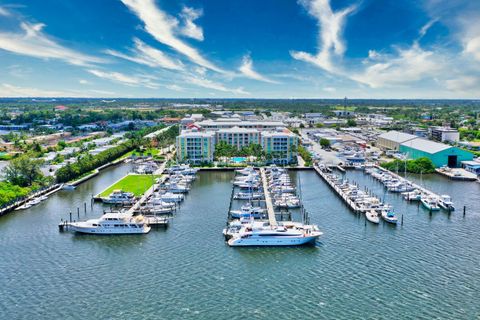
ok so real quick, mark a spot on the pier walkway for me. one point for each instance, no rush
(416, 186)
(268, 200)
(337, 190)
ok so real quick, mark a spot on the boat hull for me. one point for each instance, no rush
(109, 231)
(428, 207)
(272, 241)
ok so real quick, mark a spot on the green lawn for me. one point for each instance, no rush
(148, 152)
(135, 183)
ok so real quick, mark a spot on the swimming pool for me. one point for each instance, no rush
(239, 159)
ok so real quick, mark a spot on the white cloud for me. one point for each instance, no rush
(472, 47)
(147, 55)
(162, 27)
(190, 29)
(330, 39)
(423, 31)
(174, 87)
(407, 66)
(200, 70)
(103, 92)
(247, 70)
(134, 81)
(83, 81)
(4, 12)
(33, 42)
(463, 83)
(209, 84)
(8, 90)
(329, 89)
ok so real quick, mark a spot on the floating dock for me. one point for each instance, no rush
(351, 204)
(268, 200)
(416, 186)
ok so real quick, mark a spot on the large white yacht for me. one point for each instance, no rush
(112, 223)
(251, 235)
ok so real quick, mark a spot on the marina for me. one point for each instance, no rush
(409, 254)
(250, 226)
(411, 191)
(359, 201)
(137, 214)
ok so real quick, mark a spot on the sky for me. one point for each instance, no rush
(380, 49)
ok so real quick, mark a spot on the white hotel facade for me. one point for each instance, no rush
(198, 145)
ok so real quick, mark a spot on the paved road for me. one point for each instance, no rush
(328, 157)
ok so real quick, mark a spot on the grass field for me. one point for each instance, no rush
(149, 152)
(135, 183)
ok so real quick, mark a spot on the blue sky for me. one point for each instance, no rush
(240, 48)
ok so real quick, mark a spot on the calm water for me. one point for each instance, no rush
(427, 269)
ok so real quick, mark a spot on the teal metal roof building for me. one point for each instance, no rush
(441, 154)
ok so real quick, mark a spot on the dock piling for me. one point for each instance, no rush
(70, 216)
(464, 210)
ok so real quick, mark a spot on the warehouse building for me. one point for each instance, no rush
(392, 140)
(443, 134)
(441, 154)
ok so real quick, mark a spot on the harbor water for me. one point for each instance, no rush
(425, 269)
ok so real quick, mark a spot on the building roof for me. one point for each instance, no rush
(277, 133)
(425, 145)
(475, 164)
(237, 130)
(239, 123)
(197, 134)
(397, 136)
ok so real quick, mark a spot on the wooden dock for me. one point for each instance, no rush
(457, 174)
(351, 204)
(416, 186)
(268, 200)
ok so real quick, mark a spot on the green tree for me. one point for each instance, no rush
(23, 171)
(325, 143)
(351, 123)
(61, 145)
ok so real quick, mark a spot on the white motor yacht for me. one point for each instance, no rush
(246, 171)
(177, 188)
(170, 197)
(248, 211)
(247, 196)
(372, 216)
(112, 223)
(119, 197)
(389, 216)
(24, 206)
(430, 203)
(414, 195)
(273, 236)
(446, 202)
(159, 202)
